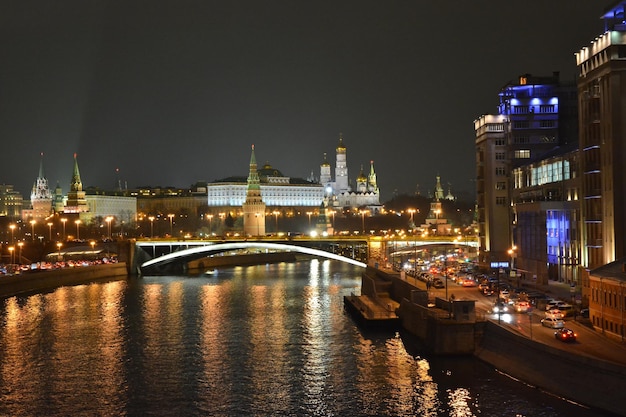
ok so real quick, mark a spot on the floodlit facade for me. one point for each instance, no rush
(536, 115)
(602, 123)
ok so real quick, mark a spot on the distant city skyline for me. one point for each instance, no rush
(175, 92)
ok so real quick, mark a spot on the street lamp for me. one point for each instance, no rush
(77, 229)
(309, 214)
(411, 212)
(332, 214)
(171, 217)
(11, 249)
(50, 231)
(151, 218)
(32, 223)
(63, 221)
(19, 245)
(12, 227)
(108, 220)
(59, 244)
(210, 216)
(276, 213)
(512, 255)
(363, 220)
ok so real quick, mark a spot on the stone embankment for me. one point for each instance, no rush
(590, 381)
(585, 380)
(47, 280)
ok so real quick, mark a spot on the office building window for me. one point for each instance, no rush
(522, 154)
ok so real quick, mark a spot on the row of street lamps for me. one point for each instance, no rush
(78, 222)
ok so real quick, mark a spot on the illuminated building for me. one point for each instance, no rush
(536, 115)
(339, 194)
(601, 81)
(40, 198)
(602, 75)
(76, 202)
(277, 190)
(546, 206)
(11, 202)
(436, 222)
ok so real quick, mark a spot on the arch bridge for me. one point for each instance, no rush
(167, 256)
(171, 256)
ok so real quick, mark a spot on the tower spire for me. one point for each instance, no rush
(254, 207)
(40, 196)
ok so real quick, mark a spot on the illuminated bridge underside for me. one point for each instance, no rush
(206, 250)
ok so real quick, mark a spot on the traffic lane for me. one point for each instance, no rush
(588, 342)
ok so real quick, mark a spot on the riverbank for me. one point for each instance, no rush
(47, 280)
(557, 371)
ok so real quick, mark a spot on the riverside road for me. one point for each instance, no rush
(589, 342)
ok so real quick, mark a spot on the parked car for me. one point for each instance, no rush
(553, 323)
(438, 283)
(567, 309)
(584, 313)
(565, 335)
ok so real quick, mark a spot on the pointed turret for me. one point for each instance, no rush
(361, 182)
(41, 196)
(372, 183)
(438, 190)
(253, 208)
(341, 169)
(76, 202)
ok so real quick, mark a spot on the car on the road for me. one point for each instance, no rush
(487, 292)
(522, 306)
(438, 283)
(555, 313)
(565, 335)
(550, 304)
(500, 307)
(552, 323)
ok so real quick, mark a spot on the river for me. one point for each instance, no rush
(265, 340)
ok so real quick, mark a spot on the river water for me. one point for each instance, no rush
(266, 340)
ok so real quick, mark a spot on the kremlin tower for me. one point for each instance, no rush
(41, 197)
(76, 202)
(254, 207)
(341, 170)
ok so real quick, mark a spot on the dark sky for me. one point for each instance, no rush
(174, 92)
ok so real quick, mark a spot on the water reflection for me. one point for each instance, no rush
(259, 340)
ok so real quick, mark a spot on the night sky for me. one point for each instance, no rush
(175, 92)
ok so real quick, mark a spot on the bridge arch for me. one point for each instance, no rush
(199, 251)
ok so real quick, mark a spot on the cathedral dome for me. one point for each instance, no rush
(269, 171)
(341, 148)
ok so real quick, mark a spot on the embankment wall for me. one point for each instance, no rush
(46, 280)
(585, 380)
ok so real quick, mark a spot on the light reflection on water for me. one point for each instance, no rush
(269, 340)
